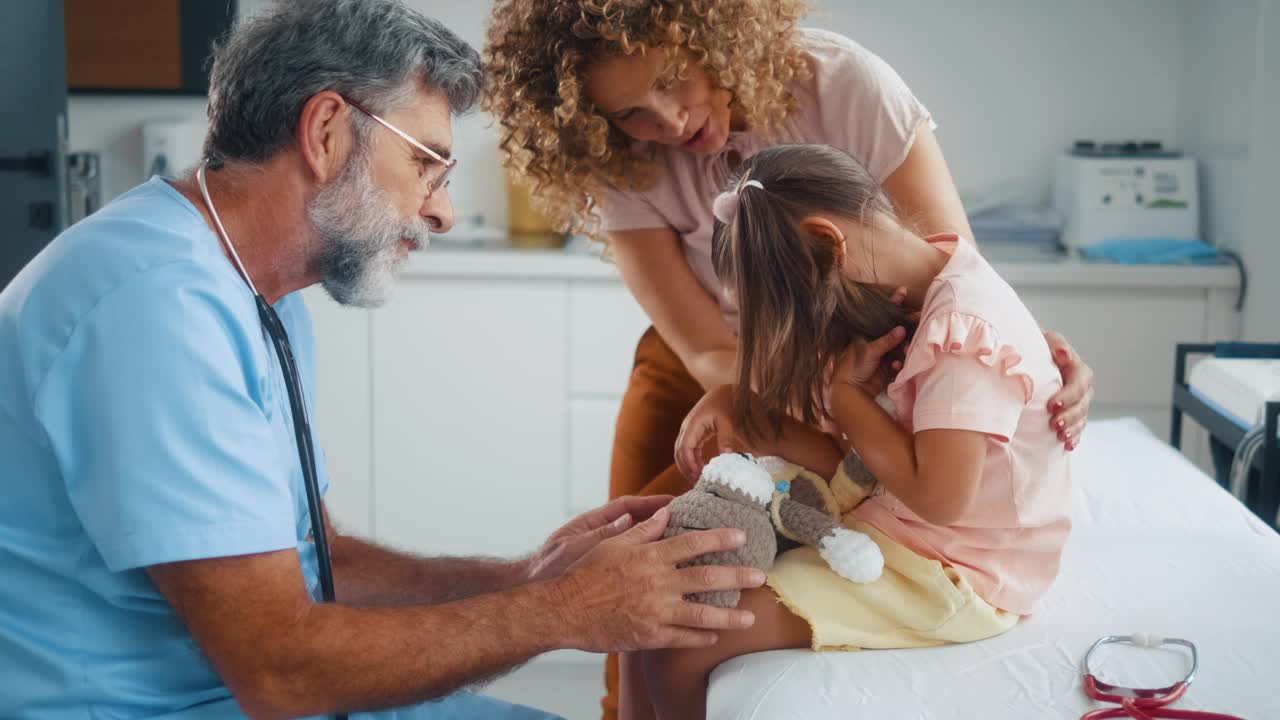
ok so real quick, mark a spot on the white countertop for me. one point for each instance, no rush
(579, 262)
(454, 259)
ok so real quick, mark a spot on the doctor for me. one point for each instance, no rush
(156, 554)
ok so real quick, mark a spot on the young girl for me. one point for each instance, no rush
(973, 504)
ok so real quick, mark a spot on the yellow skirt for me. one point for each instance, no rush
(917, 602)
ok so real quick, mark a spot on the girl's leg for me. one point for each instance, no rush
(659, 396)
(677, 679)
(633, 693)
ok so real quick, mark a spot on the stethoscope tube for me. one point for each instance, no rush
(306, 452)
(297, 407)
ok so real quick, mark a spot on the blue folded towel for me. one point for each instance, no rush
(1153, 251)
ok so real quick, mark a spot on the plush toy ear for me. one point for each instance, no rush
(735, 471)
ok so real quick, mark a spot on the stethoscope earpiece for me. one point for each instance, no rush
(1142, 703)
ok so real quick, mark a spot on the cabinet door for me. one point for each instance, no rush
(342, 414)
(469, 415)
(605, 322)
(591, 424)
(1126, 335)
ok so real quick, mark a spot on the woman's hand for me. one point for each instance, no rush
(862, 364)
(711, 417)
(1069, 408)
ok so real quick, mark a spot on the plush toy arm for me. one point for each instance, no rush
(851, 554)
(853, 483)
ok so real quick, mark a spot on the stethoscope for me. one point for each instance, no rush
(293, 386)
(1143, 703)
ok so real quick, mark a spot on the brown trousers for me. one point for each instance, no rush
(658, 397)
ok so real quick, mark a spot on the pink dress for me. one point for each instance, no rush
(979, 362)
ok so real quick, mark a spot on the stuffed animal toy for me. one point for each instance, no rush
(774, 502)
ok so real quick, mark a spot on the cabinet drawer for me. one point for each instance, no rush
(591, 423)
(604, 324)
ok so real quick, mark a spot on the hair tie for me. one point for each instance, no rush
(725, 206)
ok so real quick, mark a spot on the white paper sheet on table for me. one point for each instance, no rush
(1157, 547)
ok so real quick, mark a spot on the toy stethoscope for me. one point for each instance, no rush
(293, 386)
(1143, 703)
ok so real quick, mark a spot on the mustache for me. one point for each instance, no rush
(418, 232)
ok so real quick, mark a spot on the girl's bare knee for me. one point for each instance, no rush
(776, 627)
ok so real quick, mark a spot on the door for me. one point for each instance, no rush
(33, 122)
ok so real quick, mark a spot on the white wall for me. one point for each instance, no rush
(1228, 116)
(1215, 109)
(1009, 81)
(1262, 227)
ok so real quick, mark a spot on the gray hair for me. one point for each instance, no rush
(376, 52)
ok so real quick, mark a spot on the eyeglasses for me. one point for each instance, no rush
(434, 177)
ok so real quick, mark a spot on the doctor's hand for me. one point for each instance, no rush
(581, 534)
(627, 593)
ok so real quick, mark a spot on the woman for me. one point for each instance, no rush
(630, 115)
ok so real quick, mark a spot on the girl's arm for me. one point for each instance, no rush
(935, 473)
(654, 268)
(806, 446)
(712, 418)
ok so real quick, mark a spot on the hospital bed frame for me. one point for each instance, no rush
(1267, 462)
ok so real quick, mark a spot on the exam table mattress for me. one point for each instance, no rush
(1157, 547)
(1239, 388)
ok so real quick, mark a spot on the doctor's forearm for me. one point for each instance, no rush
(340, 658)
(366, 573)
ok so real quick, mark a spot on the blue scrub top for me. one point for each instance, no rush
(143, 420)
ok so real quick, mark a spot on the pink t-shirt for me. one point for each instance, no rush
(979, 362)
(854, 101)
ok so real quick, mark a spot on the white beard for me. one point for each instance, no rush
(360, 233)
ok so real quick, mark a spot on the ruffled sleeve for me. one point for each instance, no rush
(958, 374)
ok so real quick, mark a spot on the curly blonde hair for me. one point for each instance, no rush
(551, 134)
